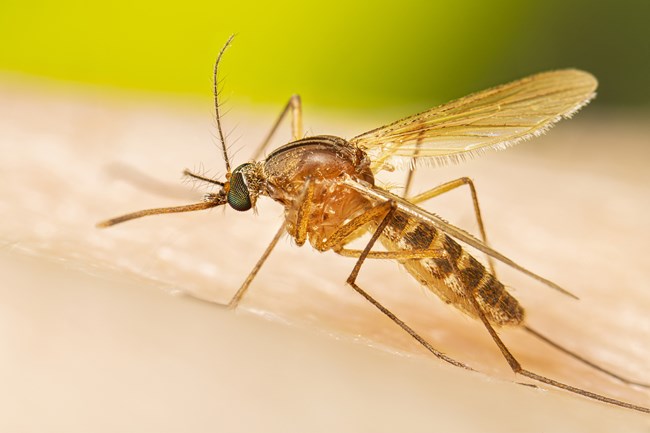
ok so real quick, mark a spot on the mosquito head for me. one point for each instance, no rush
(243, 186)
(239, 197)
(240, 189)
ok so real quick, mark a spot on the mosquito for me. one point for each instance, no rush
(327, 187)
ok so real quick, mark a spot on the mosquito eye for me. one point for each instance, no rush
(238, 196)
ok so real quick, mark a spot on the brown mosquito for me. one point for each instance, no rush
(327, 187)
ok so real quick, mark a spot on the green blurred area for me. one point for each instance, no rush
(335, 53)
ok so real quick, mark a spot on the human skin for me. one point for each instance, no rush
(94, 339)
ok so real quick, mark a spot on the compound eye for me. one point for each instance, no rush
(238, 195)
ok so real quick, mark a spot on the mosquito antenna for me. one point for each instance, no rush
(216, 103)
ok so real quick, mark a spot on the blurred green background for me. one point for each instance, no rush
(334, 53)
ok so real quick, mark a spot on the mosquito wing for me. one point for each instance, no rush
(495, 118)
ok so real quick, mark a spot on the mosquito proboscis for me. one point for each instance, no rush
(326, 185)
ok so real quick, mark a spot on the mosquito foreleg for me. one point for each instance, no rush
(342, 234)
(295, 106)
(249, 279)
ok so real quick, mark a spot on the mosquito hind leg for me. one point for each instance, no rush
(295, 107)
(583, 360)
(518, 369)
(514, 364)
(451, 185)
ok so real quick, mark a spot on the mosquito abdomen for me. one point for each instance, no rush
(450, 271)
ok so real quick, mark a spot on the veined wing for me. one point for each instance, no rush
(495, 118)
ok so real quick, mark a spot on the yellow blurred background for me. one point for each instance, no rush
(336, 54)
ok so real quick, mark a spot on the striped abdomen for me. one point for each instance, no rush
(451, 272)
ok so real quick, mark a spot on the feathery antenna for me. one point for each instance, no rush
(216, 103)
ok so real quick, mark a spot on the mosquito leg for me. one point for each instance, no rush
(451, 230)
(295, 106)
(583, 360)
(434, 192)
(407, 328)
(408, 183)
(419, 254)
(301, 235)
(411, 173)
(385, 211)
(304, 212)
(249, 279)
(352, 282)
(346, 232)
(448, 186)
(518, 369)
(296, 117)
(342, 234)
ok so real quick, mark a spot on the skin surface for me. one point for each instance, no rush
(95, 342)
